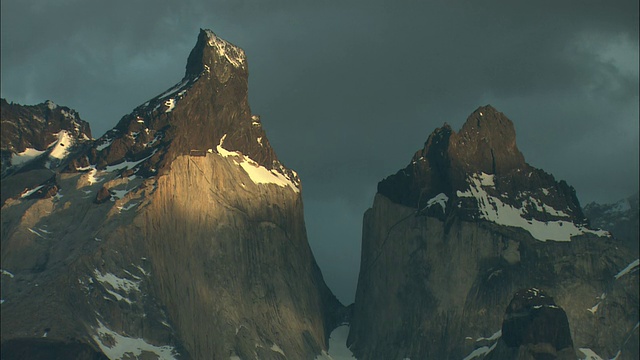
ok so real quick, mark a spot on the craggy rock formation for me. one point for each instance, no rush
(534, 327)
(39, 130)
(177, 235)
(451, 237)
(621, 218)
(36, 141)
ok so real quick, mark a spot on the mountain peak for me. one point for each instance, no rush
(483, 175)
(487, 142)
(211, 52)
(209, 104)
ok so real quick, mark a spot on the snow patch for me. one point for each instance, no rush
(117, 284)
(127, 164)
(51, 105)
(258, 173)
(155, 139)
(589, 354)
(481, 351)
(119, 194)
(35, 232)
(7, 273)
(116, 346)
(105, 144)
(91, 178)
(440, 199)
(493, 337)
(493, 209)
(233, 54)
(31, 192)
(631, 267)
(484, 350)
(61, 148)
(170, 104)
(143, 271)
(25, 156)
(70, 116)
(129, 206)
(277, 349)
(179, 86)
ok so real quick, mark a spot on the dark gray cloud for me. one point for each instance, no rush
(349, 90)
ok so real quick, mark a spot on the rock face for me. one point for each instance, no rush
(36, 141)
(39, 130)
(451, 237)
(534, 327)
(177, 235)
(621, 218)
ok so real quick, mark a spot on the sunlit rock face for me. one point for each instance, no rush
(176, 235)
(451, 237)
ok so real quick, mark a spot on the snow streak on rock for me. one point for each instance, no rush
(493, 209)
(116, 346)
(258, 174)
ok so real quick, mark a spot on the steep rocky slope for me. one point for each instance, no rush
(621, 218)
(36, 141)
(178, 233)
(451, 237)
(534, 327)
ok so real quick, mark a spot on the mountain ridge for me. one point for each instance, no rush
(455, 234)
(482, 157)
(178, 233)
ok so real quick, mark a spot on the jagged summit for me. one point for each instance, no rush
(208, 110)
(176, 235)
(478, 173)
(451, 237)
(210, 51)
(487, 142)
(43, 135)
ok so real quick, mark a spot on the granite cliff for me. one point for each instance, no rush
(176, 235)
(467, 224)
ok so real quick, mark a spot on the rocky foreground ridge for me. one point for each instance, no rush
(467, 224)
(176, 235)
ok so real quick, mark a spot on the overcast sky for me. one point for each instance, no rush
(349, 90)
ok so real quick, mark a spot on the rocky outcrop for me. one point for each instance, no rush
(177, 235)
(450, 239)
(36, 141)
(46, 131)
(621, 218)
(534, 327)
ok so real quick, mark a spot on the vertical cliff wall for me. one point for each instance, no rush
(178, 233)
(468, 223)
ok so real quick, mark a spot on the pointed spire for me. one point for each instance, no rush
(210, 50)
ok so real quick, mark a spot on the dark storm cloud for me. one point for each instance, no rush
(349, 90)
